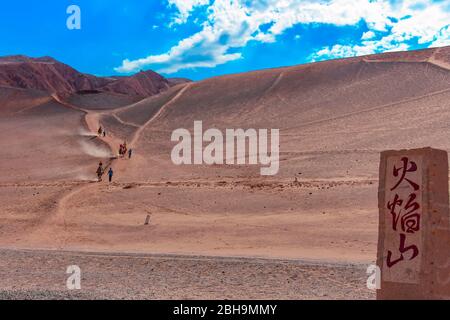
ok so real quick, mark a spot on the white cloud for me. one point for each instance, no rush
(424, 20)
(343, 51)
(231, 24)
(226, 27)
(442, 38)
(368, 35)
(185, 8)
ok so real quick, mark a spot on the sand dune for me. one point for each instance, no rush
(334, 119)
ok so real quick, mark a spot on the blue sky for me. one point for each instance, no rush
(203, 38)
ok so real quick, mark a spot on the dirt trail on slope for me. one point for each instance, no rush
(53, 228)
(137, 134)
(45, 229)
(388, 105)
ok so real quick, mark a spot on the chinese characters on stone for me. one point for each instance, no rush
(405, 212)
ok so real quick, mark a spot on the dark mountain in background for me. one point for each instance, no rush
(53, 77)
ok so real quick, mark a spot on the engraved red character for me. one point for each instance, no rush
(408, 166)
(402, 249)
(404, 212)
(409, 217)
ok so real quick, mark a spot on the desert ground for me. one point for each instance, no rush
(36, 274)
(219, 231)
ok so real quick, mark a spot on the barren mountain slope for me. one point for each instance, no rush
(334, 119)
(51, 76)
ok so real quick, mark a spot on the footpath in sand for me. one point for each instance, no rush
(54, 228)
(75, 219)
(222, 216)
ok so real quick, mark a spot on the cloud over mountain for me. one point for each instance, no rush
(227, 27)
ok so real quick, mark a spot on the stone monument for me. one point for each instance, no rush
(414, 234)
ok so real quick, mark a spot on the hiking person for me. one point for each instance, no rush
(124, 148)
(121, 150)
(110, 174)
(100, 130)
(100, 171)
(129, 153)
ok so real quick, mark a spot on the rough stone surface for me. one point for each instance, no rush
(423, 271)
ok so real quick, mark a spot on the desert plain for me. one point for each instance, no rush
(214, 231)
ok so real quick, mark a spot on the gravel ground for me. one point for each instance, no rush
(31, 274)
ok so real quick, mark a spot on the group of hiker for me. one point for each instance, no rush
(122, 152)
(101, 171)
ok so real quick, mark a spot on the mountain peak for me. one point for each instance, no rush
(54, 77)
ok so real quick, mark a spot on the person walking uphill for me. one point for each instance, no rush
(110, 174)
(129, 153)
(100, 171)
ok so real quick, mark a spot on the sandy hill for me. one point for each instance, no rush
(334, 119)
(334, 116)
